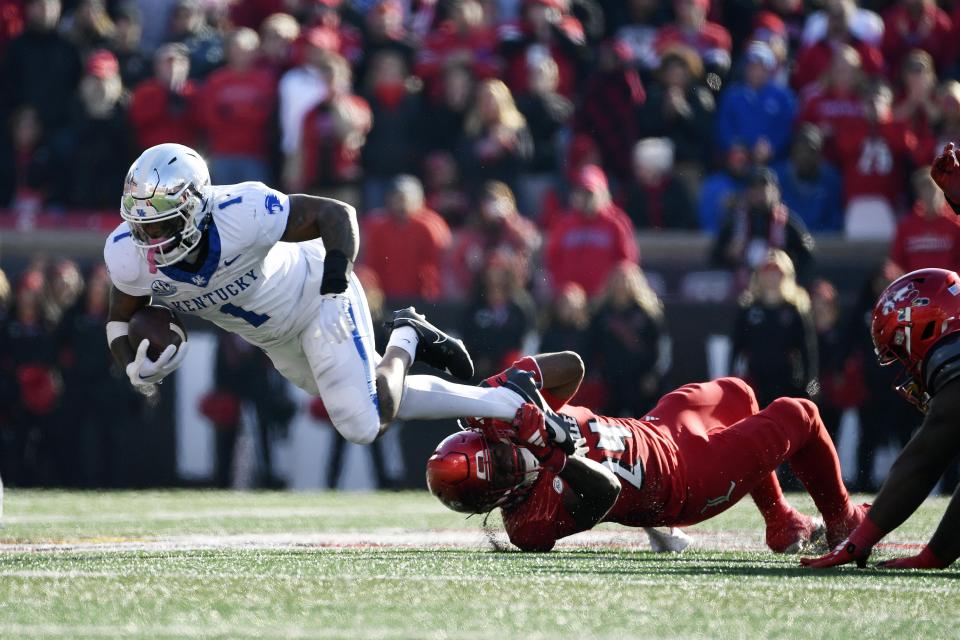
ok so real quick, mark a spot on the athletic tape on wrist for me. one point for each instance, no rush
(116, 329)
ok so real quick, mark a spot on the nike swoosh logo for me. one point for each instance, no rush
(440, 338)
(227, 263)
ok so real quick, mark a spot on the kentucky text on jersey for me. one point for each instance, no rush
(217, 296)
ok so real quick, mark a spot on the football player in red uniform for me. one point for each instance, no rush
(699, 451)
(916, 322)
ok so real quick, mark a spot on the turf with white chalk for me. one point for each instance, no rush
(340, 565)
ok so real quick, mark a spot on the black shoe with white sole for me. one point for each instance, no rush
(521, 383)
(434, 347)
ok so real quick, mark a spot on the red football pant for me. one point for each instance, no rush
(729, 449)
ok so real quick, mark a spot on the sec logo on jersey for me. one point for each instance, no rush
(163, 288)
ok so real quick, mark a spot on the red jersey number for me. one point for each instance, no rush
(612, 442)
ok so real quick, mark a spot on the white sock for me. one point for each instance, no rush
(432, 398)
(405, 338)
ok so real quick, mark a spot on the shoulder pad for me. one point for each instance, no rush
(121, 256)
(942, 363)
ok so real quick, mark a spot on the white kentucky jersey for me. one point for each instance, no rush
(247, 282)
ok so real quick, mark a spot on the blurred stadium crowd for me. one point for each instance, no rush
(502, 155)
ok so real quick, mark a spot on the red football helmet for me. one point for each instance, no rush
(912, 314)
(476, 470)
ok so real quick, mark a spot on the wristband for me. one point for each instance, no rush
(335, 267)
(866, 534)
(116, 329)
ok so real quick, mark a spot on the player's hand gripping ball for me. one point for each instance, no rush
(160, 341)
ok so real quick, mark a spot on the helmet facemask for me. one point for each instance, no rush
(165, 228)
(165, 201)
(512, 468)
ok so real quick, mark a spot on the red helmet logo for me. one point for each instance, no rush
(912, 314)
(476, 470)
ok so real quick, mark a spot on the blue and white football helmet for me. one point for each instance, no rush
(166, 198)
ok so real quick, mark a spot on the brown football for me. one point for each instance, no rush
(159, 325)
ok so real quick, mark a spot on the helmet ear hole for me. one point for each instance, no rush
(928, 330)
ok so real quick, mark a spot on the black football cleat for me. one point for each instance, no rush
(521, 383)
(434, 347)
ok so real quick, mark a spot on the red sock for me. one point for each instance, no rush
(818, 468)
(769, 499)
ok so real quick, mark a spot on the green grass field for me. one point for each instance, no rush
(281, 565)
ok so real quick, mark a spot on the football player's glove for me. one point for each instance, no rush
(926, 559)
(845, 553)
(334, 318)
(532, 433)
(945, 171)
(145, 373)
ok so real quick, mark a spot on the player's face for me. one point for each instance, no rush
(506, 464)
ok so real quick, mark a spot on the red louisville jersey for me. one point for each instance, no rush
(641, 454)
(873, 158)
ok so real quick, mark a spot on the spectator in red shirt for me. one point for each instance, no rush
(545, 28)
(404, 244)
(464, 39)
(581, 151)
(393, 144)
(332, 138)
(236, 109)
(835, 99)
(874, 152)
(813, 60)
(163, 108)
(497, 230)
(917, 105)
(918, 24)
(710, 40)
(277, 35)
(930, 235)
(587, 243)
(610, 106)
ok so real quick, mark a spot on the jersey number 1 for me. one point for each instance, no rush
(252, 317)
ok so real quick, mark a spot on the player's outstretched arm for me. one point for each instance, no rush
(335, 223)
(122, 308)
(912, 477)
(561, 373)
(922, 462)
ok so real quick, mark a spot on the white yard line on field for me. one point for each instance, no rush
(378, 539)
(233, 513)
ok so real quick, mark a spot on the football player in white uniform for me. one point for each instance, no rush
(277, 270)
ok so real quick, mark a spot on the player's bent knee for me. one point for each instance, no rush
(800, 409)
(740, 387)
(360, 429)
